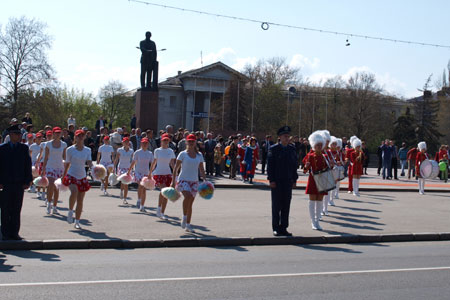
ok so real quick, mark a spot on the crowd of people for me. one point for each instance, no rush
(180, 159)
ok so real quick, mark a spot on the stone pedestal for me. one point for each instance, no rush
(147, 110)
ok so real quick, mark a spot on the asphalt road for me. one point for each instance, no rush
(370, 271)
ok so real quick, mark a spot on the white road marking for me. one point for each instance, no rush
(221, 277)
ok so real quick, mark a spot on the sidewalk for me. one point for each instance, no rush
(371, 182)
(234, 217)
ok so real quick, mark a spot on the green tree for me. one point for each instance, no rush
(404, 130)
(116, 103)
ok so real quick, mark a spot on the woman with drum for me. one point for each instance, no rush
(421, 156)
(336, 155)
(328, 156)
(357, 158)
(315, 162)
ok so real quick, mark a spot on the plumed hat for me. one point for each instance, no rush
(422, 145)
(316, 138)
(356, 142)
(334, 140)
(339, 143)
(352, 138)
(326, 135)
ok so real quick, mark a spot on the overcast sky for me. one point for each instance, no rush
(94, 40)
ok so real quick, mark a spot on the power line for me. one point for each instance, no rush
(266, 25)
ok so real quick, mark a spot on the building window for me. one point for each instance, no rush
(173, 101)
(161, 100)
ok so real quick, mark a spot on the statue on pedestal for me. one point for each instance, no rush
(149, 64)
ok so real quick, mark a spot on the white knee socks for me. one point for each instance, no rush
(421, 185)
(326, 199)
(355, 186)
(319, 208)
(312, 210)
(336, 193)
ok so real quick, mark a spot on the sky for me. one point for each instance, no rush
(94, 41)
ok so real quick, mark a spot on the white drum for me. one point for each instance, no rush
(429, 169)
(324, 180)
(338, 173)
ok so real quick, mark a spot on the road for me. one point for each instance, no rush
(371, 271)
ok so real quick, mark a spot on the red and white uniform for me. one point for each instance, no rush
(419, 159)
(143, 159)
(77, 172)
(317, 163)
(106, 152)
(55, 165)
(357, 158)
(124, 160)
(162, 175)
(188, 178)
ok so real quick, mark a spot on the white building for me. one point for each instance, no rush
(185, 99)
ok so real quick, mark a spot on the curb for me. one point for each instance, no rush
(220, 242)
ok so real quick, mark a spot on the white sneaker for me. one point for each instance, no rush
(39, 196)
(318, 226)
(421, 193)
(189, 228)
(183, 223)
(105, 193)
(325, 213)
(349, 192)
(70, 217)
(313, 225)
(159, 214)
(138, 203)
(354, 194)
(331, 203)
(54, 211)
(49, 208)
(142, 209)
(164, 217)
(77, 225)
(125, 201)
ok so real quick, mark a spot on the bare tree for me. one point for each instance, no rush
(23, 58)
(116, 104)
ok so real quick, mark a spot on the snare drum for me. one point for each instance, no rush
(324, 180)
(429, 169)
(338, 173)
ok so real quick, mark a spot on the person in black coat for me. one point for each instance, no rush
(15, 177)
(100, 123)
(265, 146)
(282, 175)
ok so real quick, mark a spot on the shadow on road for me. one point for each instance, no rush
(329, 248)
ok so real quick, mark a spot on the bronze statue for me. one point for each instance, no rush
(149, 64)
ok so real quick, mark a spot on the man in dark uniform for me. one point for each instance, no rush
(15, 177)
(282, 175)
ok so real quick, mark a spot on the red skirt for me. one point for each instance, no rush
(82, 184)
(311, 187)
(162, 180)
(357, 168)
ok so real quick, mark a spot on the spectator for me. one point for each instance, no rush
(218, 159)
(66, 137)
(89, 142)
(386, 153)
(71, 121)
(135, 138)
(380, 157)
(265, 146)
(365, 150)
(182, 143)
(100, 123)
(71, 131)
(403, 156)
(152, 146)
(133, 122)
(394, 159)
(27, 119)
(210, 145)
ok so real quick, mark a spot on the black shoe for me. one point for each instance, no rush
(16, 238)
(286, 233)
(5, 238)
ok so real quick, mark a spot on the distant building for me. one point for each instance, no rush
(185, 99)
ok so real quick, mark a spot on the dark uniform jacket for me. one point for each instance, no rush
(282, 163)
(15, 165)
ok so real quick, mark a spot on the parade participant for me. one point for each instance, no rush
(250, 159)
(328, 156)
(411, 156)
(190, 162)
(340, 155)
(77, 156)
(122, 163)
(282, 176)
(337, 160)
(420, 157)
(104, 157)
(42, 192)
(348, 152)
(142, 159)
(357, 160)
(30, 139)
(314, 162)
(35, 150)
(241, 156)
(53, 168)
(15, 177)
(164, 161)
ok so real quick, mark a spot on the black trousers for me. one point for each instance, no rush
(11, 199)
(209, 159)
(263, 162)
(394, 167)
(380, 165)
(281, 204)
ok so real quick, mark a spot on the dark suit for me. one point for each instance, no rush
(15, 172)
(265, 145)
(281, 169)
(97, 125)
(209, 156)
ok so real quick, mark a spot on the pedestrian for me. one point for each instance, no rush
(403, 156)
(142, 159)
(395, 159)
(420, 157)
(241, 155)
(282, 176)
(71, 121)
(233, 157)
(104, 158)
(210, 145)
(357, 160)
(15, 177)
(190, 164)
(122, 163)
(133, 122)
(386, 153)
(250, 160)
(77, 156)
(101, 122)
(265, 146)
(218, 159)
(27, 119)
(380, 157)
(366, 152)
(315, 162)
(53, 168)
(163, 162)
(411, 156)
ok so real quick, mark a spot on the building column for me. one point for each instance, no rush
(189, 110)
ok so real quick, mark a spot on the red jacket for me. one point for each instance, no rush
(412, 154)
